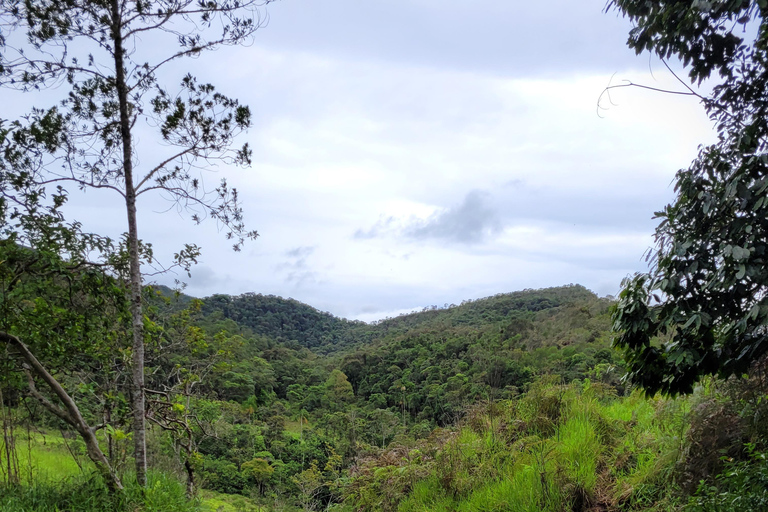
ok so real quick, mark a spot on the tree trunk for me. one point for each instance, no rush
(11, 463)
(70, 414)
(190, 479)
(137, 318)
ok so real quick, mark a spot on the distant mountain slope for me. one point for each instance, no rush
(494, 309)
(288, 320)
(283, 319)
(428, 364)
(433, 362)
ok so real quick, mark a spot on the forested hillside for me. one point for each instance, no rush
(298, 386)
(117, 396)
(284, 320)
(514, 398)
(433, 362)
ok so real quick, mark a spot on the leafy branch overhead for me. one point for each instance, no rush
(703, 307)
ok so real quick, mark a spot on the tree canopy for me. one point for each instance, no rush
(702, 308)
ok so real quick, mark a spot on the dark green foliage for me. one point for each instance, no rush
(716, 431)
(702, 308)
(283, 320)
(61, 308)
(426, 365)
(741, 487)
(287, 320)
(447, 359)
(222, 475)
(705, 35)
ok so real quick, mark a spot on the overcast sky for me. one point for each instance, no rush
(425, 152)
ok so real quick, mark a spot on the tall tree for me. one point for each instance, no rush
(108, 54)
(702, 309)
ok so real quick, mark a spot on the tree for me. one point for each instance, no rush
(44, 299)
(338, 391)
(181, 358)
(310, 484)
(702, 309)
(259, 470)
(108, 54)
(386, 423)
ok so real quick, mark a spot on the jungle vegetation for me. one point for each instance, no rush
(116, 395)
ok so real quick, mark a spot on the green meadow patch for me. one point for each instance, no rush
(52, 480)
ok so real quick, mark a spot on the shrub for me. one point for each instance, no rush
(741, 487)
(222, 475)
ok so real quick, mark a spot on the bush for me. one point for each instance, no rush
(741, 487)
(223, 476)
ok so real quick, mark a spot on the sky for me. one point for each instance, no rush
(418, 153)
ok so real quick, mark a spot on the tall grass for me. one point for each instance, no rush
(574, 447)
(87, 493)
(579, 451)
(53, 481)
(212, 501)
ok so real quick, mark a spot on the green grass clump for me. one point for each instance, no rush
(528, 488)
(212, 501)
(87, 493)
(560, 447)
(428, 495)
(579, 451)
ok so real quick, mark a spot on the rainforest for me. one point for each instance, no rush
(122, 390)
(511, 402)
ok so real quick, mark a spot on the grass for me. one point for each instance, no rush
(55, 482)
(87, 493)
(560, 448)
(212, 501)
(46, 458)
(522, 491)
(580, 450)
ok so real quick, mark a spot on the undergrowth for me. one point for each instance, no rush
(574, 447)
(741, 487)
(87, 493)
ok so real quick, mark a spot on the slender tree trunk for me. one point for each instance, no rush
(11, 463)
(137, 319)
(139, 429)
(190, 479)
(69, 414)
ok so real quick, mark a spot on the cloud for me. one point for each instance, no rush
(299, 254)
(368, 142)
(470, 222)
(203, 277)
(297, 270)
(381, 227)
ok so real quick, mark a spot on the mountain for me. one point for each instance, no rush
(284, 320)
(430, 363)
(291, 321)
